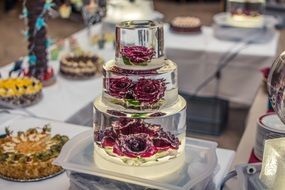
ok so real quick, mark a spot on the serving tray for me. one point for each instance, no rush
(199, 166)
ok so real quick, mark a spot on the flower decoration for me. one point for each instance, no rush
(134, 138)
(149, 91)
(137, 55)
(144, 91)
(119, 87)
(134, 145)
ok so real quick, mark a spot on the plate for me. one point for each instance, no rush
(21, 123)
(32, 180)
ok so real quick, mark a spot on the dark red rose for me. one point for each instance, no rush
(118, 87)
(137, 54)
(105, 138)
(165, 141)
(116, 113)
(135, 145)
(149, 91)
(127, 126)
(157, 114)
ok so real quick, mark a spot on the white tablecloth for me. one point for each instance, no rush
(66, 97)
(197, 57)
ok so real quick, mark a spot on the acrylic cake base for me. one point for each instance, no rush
(148, 171)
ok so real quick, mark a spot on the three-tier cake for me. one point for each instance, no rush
(139, 121)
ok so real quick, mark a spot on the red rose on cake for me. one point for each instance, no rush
(137, 55)
(149, 91)
(134, 145)
(119, 87)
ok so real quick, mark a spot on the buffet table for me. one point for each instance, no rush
(16, 122)
(198, 57)
(195, 56)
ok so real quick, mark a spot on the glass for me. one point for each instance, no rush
(273, 166)
(276, 86)
(139, 44)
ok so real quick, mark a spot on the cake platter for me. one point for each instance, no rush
(199, 166)
(32, 180)
(221, 19)
(224, 30)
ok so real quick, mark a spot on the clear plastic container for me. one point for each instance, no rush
(139, 44)
(198, 167)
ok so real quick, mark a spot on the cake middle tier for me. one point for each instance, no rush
(140, 90)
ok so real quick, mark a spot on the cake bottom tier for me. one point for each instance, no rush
(152, 171)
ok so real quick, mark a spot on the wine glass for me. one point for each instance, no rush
(276, 86)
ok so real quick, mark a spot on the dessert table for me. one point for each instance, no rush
(17, 121)
(195, 56)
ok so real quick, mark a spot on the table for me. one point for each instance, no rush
(61, 182)
(198, 55)
(247, 141)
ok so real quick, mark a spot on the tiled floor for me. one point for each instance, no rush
(13, 45)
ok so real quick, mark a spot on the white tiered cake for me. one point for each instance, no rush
(139, 121)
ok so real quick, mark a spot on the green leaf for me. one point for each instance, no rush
(126, 61)
(139, 115)
(133, 102)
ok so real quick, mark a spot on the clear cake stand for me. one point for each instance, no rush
(200, 164)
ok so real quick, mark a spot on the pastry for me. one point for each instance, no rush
(29, 155)
(186, 24)
(20, 91)
(80, 66)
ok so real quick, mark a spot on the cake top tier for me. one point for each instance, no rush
(139, 44)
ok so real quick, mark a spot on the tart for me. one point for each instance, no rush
(80, 66)
(29, 155)
(20, 91)
(186, 24)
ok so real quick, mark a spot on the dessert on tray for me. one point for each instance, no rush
(20, 91)
(139, 121)
(185, 24)
(244, 13)
(29, 155)
(83, 65)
